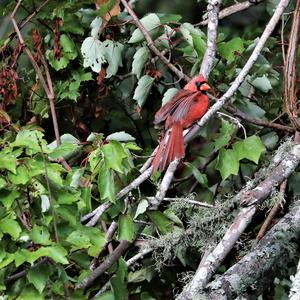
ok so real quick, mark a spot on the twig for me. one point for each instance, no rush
(257, 195)
(270, 254)
(193, 202)
(235, 8)
(212, 34)
(108, 262)
(151, 43)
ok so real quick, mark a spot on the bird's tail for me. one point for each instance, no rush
(170, 148)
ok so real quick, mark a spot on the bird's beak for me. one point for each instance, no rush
(204, 87)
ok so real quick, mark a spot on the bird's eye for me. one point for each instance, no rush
(198, 84)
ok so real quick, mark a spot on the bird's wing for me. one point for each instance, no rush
(177, 107)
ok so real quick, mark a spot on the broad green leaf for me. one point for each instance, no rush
(68, 46)
(65, 197)
(8, 197)
(39, 276)
(8, 162)
(143, 89)
(168, 95)
(113, 154)
(167, 18)
(199, 45)
(250, 148)
(65, 150)
(187, 30)
(79, 239)
(40, 235)
(57, 253)
(250, 108)
(106, 184)
(141, 208)
(172, 216)
(126, 228)
(270, 139)
(151, 23)
(201, 178)
(139, 59)
(10, 227)
(232, 48)
(118, 281)
(93, 54)
(113, 54)
(55, 173)
(227, 163)
(162, 223)
(120, 136)
(21, 177)
(262, 83)
(30, 139)
(145, 273)
(3, 183)
(9, 258)
(225, 134)
(30, 293)
(106, 7)
(97, 239)
(57, 64)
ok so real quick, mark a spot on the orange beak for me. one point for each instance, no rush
(204, 87)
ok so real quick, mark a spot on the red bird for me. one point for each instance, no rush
(186, 107)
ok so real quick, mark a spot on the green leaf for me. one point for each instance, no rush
(187, 30)
(106, 184)
(167, 18)
(93, 54)
(262, 83)
(230, 49)
(8, 197)
(139, 59)
(79, 239)
(250, 148)
(168, 95)
(120, 136)
(151, 23)
(64, 150)
(113, 154)
(29, 293)
(22, 176)
(8, 162)
(10, 227)
(224, 136)
(126, 228)
(162, 223)
(39, 276)
(227, 163)
(113, 54)
(68, 46)
(143, 89)
(3, 183)
(30, 139)
(57, 253)
(106, 7)
(199, 45)
(40, 235)
(57, 64)
(106, 296)
(142, 207)
(201, 178)
(118, 281)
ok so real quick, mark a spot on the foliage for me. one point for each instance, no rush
(108, 85)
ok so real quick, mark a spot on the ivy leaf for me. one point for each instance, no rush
(120, 136)
(106, 184)
(22, 176)
(113, 54)
(224, 136)
(162, 223)
(168, 95)
(230, 49)
(39, 275)
(262, 83)
(126, 228)
(8, 162)
(139, 59)
(93, 54)
(227, 163)
(250, 148)
(151, 23)
(29, 139)
(143, 89)
(10, 227)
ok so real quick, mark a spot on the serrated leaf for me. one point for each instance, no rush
(141, 208)
(232, 48)
(113, 54)
(162, 223)
(120, 136)
(262, 83)
(143, 89)
(10, 227)
(224, 136)
(250, 148)
(39, 276)
(227, 163)
(93, 54)
(139, 59)
(151, 23)
(126, 228)
(168, 95)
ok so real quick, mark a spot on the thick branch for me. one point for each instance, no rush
(271, 253)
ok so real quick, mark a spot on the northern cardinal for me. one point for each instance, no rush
(186, 107)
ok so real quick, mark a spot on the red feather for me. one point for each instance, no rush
(185, 108)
